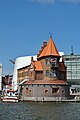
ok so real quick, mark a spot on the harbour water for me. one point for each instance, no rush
(40, 111)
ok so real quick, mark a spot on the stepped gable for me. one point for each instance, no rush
(49, 50)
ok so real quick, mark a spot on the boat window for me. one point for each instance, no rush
(10, 94)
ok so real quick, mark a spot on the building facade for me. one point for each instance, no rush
(45, 77)
(72, 63)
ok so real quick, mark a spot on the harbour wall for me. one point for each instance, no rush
(51, 99)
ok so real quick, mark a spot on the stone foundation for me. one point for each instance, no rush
(43, 99)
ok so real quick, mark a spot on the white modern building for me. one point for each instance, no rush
(72, 63)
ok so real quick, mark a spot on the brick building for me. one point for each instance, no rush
(45, 77)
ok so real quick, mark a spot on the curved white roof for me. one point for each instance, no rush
(19, 63)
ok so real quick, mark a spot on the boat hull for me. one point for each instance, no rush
(10, 99)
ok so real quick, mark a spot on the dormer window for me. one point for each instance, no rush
(54, 63)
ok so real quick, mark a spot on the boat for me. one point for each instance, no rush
(10, 96)
(10, 99)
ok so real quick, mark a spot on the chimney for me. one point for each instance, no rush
(31, 59)
(44, 44)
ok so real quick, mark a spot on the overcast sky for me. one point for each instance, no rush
(25, 24)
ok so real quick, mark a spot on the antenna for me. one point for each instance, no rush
(72, 53)
(12, 61)
(50, 35)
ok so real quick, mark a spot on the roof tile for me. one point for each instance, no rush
(49, 50)
(59, 82)
(38, 66)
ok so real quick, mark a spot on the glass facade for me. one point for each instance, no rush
(72, 63)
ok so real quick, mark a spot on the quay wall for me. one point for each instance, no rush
(50, 99)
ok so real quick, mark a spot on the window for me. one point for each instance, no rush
(55, 90)
(67, 59)
(30, 91)
(53, 64)
(47, 73)
(53, 73)
(63, 91)
(46, 91)
(22, 91)
(26, 73)
(23, 74)
(47, 62)
(31, 73)
(19, 75)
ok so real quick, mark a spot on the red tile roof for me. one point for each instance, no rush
(38, 66)
(57, 82)
(49, 50)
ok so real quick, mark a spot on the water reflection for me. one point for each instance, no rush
(39, 111)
